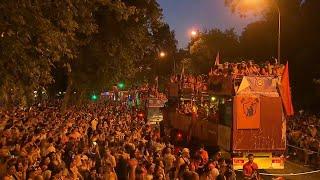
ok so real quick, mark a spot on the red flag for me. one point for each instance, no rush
(217, 62)
(286, 92)
(157, 82)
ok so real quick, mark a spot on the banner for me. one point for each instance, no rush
(266, 86)
(247, 112)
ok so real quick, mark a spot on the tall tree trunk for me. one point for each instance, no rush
(67, 96)
(81, 97)
(6, 94)
(4, 97)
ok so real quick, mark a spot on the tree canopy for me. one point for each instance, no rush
(93, 43)
(300, 40)
(300, 43)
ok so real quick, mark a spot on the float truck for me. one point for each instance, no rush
(243, 116)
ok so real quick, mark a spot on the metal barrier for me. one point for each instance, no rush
(290, 174)
(306, 156)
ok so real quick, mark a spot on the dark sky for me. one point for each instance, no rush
(185, 15)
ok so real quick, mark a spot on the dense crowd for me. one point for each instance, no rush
(96, 141)
(247, 68)
(221, 72)
(303, 136)
(188, 81)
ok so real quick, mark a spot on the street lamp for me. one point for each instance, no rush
(194, 33)
(279, 32)
(162, 54)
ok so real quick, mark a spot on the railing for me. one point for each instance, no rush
(305, 156)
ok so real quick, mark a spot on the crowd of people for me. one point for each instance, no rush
(219, 73)
(304, 138)
(247, 68)
(188, 81)
(97, 141)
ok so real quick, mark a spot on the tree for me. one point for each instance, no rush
(204, 48)
(299, 41)
(92, 43)
(35, 35)
(123, 50)
(259, 41)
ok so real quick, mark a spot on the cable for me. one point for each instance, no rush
(291, 174)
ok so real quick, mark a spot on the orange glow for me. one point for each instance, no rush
(256, 6)
(194, 33)
(162, 54)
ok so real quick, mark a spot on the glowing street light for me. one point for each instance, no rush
(194, 33)
(162, 54)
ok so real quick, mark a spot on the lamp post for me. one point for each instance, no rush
(279, 33)
(174, 65)
(162, 55)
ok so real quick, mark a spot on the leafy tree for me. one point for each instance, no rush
(35, 35)
(124, 50)
(299, 42)
(204, 48)
(84, 45)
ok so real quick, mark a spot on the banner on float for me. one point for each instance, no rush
(247, 112)
(266, 86)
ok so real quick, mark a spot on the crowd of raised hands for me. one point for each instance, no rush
(232, 71)
(247, 68)
(95, 141)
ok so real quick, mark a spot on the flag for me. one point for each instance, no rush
(182, 71)
(285, 92)
(244, 85)
(157, 81)
(217, 62)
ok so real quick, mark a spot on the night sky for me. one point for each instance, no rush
(185, 15)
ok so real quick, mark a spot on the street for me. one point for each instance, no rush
(294, 168)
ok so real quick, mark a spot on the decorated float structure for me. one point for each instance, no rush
(242, 116)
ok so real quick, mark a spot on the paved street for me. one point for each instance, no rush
(294, 168)
(290, 167)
